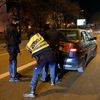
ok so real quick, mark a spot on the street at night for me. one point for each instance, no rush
(37, 34)
(73, 85)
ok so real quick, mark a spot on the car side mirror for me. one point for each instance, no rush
(94, 38)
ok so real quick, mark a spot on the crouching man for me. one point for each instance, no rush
(42, 52)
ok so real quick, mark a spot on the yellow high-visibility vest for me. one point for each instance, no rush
(36, 43)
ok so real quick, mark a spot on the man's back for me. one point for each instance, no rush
(53, 36)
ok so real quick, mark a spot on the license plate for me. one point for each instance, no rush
(67, 66)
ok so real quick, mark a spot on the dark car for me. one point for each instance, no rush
(78, 49)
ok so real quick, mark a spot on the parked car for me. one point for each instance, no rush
(78, 49)
(89, 30)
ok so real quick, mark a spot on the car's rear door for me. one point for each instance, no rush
(87, 45)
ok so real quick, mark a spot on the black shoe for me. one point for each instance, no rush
(17, 80)
(58, 82)
(18, 75)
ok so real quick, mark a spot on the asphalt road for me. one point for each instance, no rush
(74, 85)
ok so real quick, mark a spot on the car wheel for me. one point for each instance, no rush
(80, 69)
(82, 66)
(95, 52)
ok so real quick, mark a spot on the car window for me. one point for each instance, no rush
(89, 35)
(71, 34)
(85, 35)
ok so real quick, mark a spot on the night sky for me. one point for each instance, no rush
(90, 7)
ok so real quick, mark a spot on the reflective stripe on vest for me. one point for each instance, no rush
(36, 43)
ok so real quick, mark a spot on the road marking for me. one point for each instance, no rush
(18, 69)
(3, 54)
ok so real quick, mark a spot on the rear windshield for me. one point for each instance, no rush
(70, 34)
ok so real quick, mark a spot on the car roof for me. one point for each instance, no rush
(76, 29)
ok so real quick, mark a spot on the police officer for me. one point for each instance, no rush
(42, 52)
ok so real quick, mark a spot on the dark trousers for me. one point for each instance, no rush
(43, 59)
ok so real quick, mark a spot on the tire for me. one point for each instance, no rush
(80, 69)
(95, 52)
(82, 66)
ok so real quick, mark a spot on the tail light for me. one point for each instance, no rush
(69, 47)
(73, 50)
